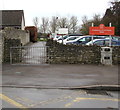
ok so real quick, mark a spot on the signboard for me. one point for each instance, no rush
(63, 31)
(101, 30)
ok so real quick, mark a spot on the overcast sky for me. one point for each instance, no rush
(49, 8)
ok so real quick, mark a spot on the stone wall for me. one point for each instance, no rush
(116, 55)
(1, 47)
(11, 33)
(8, 43)
(72, 54)
(77, 54)
(10, 37)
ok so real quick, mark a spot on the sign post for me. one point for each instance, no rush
(102, 30)
(63, 31)
(92, 35)
(110, 41)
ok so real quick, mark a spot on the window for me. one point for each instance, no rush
(82, 39)
(114, 43)
(73, 38)
(99, 42)
(107, 42)
(65, 37)
(88, 39)
(57, 36)
(85, 39)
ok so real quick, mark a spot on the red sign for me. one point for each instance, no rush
(101, 30)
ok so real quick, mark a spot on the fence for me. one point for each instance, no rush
(28, 55)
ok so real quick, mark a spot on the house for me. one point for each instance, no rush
(12, 18)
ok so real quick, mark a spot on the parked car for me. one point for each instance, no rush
(116, 37)
(68, 39)
(85, 39)
(104, 42)
(66, 36)
(57, 37)
(63, 37)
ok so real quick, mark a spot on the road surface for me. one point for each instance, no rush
(58, 98)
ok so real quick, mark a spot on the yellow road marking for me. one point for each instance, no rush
(7, 99)
(104, 99)
(78, 99)
(68, 105)
(55, 100)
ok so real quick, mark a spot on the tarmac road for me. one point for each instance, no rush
(58, 98)
(59, 75)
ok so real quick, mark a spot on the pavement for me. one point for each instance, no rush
(60, 76)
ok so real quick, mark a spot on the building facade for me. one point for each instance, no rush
(12, 18)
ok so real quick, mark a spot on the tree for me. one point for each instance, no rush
(85, 26)
(107, 18)
(88, 23)
(36, 22)
(73, 24)
(112, 15)
(78, 30)
(63, 22)
(116, 13)
(96, 20)
(54, 24)
(44, 27)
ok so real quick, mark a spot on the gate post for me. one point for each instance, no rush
(11, 55)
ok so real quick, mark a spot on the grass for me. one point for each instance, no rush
(41, 39)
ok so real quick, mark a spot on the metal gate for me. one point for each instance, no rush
(28, 55)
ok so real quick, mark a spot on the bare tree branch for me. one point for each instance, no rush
(36, 21)
(73, 24)
(45, 25)
(54, 24)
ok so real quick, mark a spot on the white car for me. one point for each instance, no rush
(57, 37)
(104, 42)
(84, 39)
(92, 42)
(71, 38)
(62, 37)
(80, 37)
